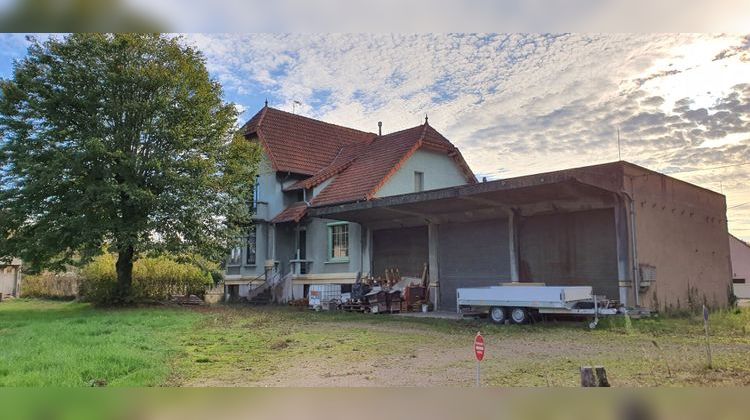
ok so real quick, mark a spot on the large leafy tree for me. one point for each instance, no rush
(119, 142)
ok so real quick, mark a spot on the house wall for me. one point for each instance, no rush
(10, 279)
(317, 250)
(740, 253)
(439, 170)
(681, 230)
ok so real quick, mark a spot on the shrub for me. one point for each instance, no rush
(154, 279)
(48, 285)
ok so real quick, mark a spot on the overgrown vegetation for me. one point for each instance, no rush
(154, 279)
(49, 285)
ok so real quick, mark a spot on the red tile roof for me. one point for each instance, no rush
(299, 144)
(293, 213)
(382, 158)
(360, 163)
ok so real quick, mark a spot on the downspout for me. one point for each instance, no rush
(634, 249)
(304, 196)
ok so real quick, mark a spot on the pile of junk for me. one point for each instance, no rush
(391, 293)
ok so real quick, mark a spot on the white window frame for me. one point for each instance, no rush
(418, 181)
(330, 255)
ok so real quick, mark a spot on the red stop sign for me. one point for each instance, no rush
(479, 347)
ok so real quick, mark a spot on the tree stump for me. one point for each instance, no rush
(594, 377)
(601, 376)
(588, 379)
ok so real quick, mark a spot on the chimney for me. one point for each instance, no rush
(380, 128)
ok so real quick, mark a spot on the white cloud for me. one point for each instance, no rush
(518, 104)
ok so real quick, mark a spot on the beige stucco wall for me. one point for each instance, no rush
(440, 171)
(682, 231)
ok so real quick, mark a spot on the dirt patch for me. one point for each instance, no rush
(318, 350)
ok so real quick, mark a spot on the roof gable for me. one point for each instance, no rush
(381, 159)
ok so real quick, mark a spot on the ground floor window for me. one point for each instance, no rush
(338, 241)
(250, 246)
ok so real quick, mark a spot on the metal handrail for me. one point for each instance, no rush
(265, 274)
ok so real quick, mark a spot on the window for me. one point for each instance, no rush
(250, 247)
(418, 181)
(338, 242)
(256, 192)
(235, 257)
(738, 281)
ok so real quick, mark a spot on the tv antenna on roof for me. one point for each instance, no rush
(294, 106)
(619, 153)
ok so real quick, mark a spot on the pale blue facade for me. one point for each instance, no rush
(303, 250)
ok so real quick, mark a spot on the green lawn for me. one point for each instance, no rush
(72, 344)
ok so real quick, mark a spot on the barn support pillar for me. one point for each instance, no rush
(623, 258)
(432, 261)
(513, 245)
(367, 252)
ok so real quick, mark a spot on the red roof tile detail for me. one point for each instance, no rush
(380, 160)
(293, 213)
(299, 144)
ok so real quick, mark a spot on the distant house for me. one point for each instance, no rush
(10, 278)
(308, 163)
(740, 252)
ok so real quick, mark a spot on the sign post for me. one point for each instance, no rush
(479, 353)
(705, 327)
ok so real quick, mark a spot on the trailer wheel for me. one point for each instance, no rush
(519, 315)
(497, 314)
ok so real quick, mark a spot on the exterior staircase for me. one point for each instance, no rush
(264, 297)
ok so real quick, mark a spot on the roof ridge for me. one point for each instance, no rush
(401, 131)
(321, 121)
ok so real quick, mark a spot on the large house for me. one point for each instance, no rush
(310, 163)
(335, 203)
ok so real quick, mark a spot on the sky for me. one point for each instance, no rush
(514, 104)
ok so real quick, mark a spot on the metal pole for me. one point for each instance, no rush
(708, 344)
(479, 382)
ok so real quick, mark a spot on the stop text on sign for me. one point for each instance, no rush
(479, 347)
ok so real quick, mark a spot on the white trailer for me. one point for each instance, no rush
(517, 303)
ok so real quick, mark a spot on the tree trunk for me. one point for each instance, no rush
(124, 267)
